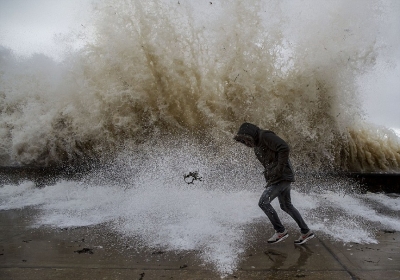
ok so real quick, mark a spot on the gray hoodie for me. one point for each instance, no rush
(271, 151)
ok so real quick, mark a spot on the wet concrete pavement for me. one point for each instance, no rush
(96, 253)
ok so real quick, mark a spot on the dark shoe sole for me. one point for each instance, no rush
(280, 239)
(305, 240)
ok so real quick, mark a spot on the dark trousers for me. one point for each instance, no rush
(282, 191)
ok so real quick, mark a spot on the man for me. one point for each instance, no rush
(273, 153)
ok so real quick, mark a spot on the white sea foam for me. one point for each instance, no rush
(392, 202)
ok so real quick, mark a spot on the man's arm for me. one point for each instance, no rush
(277, 144)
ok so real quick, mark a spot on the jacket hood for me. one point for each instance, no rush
(249, 130)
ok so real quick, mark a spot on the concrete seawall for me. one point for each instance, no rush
(377, 182)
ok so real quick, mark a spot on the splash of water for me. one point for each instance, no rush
(164, 67)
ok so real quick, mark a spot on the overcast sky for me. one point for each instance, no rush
(29, 26)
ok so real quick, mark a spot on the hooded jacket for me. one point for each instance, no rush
(271, 151)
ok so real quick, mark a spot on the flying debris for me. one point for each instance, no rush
(194, 176)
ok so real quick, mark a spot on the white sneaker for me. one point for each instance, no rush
(278, 236)
(304, 238)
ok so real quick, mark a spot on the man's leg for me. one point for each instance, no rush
(265, 204)
(287, 206)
